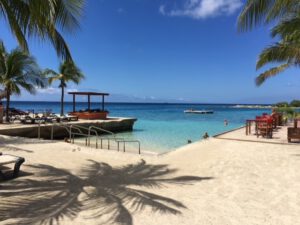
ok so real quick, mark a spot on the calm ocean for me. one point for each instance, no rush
(164, 127)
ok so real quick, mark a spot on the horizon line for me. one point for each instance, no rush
(170, 103)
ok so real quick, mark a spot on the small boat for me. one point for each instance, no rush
(199, 111)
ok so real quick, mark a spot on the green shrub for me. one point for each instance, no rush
(288, 112)
(282, 104)
(295, 103)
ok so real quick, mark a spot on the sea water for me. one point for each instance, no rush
(164, 127)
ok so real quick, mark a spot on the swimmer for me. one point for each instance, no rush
(225, 122)
(205, 136)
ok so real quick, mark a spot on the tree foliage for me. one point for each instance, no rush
(42, 19)
(18, 71)
(68, 72)
(285, 14)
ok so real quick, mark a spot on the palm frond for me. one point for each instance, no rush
(68, 13)
(270, 73)
(20, 70)
(257, 12)
(11, 17)
(42, 19)
(279, 53)
(288, 29)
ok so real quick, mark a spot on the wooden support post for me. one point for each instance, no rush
(74, 103)
(89, 102)
(102, 102)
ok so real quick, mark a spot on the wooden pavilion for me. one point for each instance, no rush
(90, 114)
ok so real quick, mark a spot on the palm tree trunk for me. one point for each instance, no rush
(62, 99)
(7, 105)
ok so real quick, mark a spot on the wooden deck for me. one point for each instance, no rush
(279, 136)
(112, 124)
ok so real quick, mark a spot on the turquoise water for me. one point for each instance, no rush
(164, 127)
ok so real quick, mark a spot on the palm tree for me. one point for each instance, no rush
(285, 14)
(42, 19)
(68, 71)
(18, 71)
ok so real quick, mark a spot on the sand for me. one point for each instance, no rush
(215, 181)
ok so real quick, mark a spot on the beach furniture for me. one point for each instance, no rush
(297, 123)
(6, 159)
(249, 124)
(294, 132)
(264, 128)
(27, 120)
(72, 118)
(66, 118)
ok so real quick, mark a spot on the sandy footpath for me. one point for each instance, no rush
(214, 181)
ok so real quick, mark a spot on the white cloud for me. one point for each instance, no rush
(162, 9)
(201, 9)
(72, 90)
(49, 90)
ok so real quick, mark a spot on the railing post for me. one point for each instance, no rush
(108, 143)
(89, 133)
(96, 143)
(118, 145)
(101, 143)
(71, 133)
(139, 148)
(39, 131)
(52, 131)
(124, 146)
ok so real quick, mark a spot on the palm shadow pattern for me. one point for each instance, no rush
(99, 191)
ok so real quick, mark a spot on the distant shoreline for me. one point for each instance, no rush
(245, 105)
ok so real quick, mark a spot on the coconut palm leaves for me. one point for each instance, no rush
(18, 71)
(258, 12)
(42, 19)
(286, 14)
(109, 195)
(68, 71)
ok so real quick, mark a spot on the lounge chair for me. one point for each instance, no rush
(27, 120)
(72, 118)
(66, 118)
(6, 159)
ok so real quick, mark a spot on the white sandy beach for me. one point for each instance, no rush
(215, 181)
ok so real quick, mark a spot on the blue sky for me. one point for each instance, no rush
(166, 51)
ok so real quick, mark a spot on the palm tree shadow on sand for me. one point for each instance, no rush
(100, 191)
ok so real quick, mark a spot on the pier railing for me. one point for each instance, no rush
(75, 130)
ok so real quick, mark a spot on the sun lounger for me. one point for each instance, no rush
(66, 118)
(6, 159)
(27, 120)
(72, 118)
